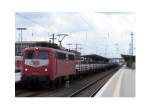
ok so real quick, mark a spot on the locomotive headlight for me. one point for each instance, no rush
(36, 48)
(45, 70)
(26, 69)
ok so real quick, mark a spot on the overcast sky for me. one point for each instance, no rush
(102, 33)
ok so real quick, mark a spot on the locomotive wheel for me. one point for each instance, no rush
(60, 81)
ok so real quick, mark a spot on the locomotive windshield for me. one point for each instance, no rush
(43, 55)
(29, 54)
(39, 54)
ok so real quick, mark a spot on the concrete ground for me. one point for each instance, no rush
(122, 84)
(17, 76)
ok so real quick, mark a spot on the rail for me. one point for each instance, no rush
(92, 88)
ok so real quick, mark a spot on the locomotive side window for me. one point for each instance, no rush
(71, 57)
(43, 55)
(61, 56)
(29, 54)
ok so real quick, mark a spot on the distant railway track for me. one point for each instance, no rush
(21, 91)
(92, 88)
(30, 93)
(25, 92)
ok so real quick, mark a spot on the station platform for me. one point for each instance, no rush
(17, 76)
(122, 84)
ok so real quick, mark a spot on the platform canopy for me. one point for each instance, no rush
(95, 57)
(128, 57)
(130, 60)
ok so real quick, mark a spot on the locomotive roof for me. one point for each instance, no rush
(44, 48)
(46, 44)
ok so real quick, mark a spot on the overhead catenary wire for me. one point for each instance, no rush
(31, 21)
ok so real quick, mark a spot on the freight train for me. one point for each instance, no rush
(43, 65)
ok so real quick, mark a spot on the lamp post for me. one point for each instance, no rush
(21, 36)
(21, 41)
(131, 43)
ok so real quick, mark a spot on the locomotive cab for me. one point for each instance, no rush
(36, 64)
(44, 64)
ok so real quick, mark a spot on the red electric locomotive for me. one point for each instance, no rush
(43, 64)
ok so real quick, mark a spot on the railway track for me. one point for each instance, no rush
(92, 88)
(32, 92)
(25, 92)
(93, 84)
